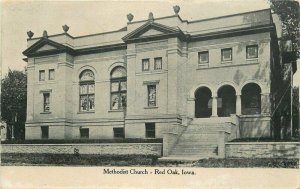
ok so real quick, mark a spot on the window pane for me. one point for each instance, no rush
(226, 54)
(145, 63)
(45, 132)
(123, 85)
(151, 95)
(83, 89)
(158, 63)
(91, 102)
(91, 89)
(42, 75)
(118, 132)
(150, 130)
(87, 75)
(115, 87)
(51, 74)
(114, 101)
(118, 72)
(83, 103)
(84, 133)
(46, 102)
(123, 100)
(203, 57)
(252, 52)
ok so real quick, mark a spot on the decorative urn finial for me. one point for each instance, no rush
(30, 34)
(150, 17)
(176, 9)
(45, 34)
(130, 17)
(65, 28)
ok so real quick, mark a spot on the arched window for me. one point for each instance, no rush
(251, 100)
(203, 103)
(118, 79)
(87, 91)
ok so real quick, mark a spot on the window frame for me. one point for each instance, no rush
(121, 133)
(120, 93)
(50, 70)
(45, 103)
(88, 94)
(199, 57)
(222, 57)
(143, 66)
(148, 95)
(150, 132)
(81, 133)
(155, 63)
(40, 74)
(44, 132)
(247, 51)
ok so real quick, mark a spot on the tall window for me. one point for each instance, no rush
(158, 63)
(252, 51)
(42, 75)
(146, 64)
(87, 91)
(203, 57)
(151, 95)
(226, 54)
(118, 88)
(46, 103)
(51, 74)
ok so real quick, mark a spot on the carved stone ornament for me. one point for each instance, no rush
(45, 34)
(30, 34)
(65, 28)
(176, 9)
(130, 17)
(150, 17)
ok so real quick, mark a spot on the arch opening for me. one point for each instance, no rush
(251, 99)
(226, 101)
(203, 103)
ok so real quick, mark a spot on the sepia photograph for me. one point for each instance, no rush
(172, 91)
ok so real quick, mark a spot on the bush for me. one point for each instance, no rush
(76, 141)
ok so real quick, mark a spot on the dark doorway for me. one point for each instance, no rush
(251, 102)
(226, 101)
(203, 106)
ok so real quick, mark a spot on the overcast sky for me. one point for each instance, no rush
(85, 18)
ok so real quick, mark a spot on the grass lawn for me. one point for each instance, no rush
(139, 160)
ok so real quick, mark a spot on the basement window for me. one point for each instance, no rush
(150, 130)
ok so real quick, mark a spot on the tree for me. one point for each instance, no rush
(13, 103)
(288, 12)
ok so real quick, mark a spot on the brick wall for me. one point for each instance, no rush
(111, 149)
(263, 150)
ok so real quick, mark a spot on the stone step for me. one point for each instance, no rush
(195, 150)
(196, 145)
(194, 154)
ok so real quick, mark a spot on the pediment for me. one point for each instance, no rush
(152, 32)
(152, 29)
(46, 46)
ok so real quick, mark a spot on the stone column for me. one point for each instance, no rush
(214, 106)
(238, 105)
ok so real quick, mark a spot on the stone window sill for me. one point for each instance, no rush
(45, 112)
(151, 107)
(87, 112)
(226, 62)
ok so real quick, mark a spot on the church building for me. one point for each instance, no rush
(156, 78)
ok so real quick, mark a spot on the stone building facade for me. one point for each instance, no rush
(154, 77)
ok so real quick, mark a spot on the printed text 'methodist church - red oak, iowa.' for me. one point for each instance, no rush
(158, 78)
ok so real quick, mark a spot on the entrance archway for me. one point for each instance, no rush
(203, 103)
(251, 100)
(226, 101)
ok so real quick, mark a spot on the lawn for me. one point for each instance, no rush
(140, 160)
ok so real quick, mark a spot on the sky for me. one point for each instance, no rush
(88, 17)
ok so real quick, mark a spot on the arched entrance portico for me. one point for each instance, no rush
(203, 102)
(226, 101)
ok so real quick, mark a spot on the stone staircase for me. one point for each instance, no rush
(198, 141)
